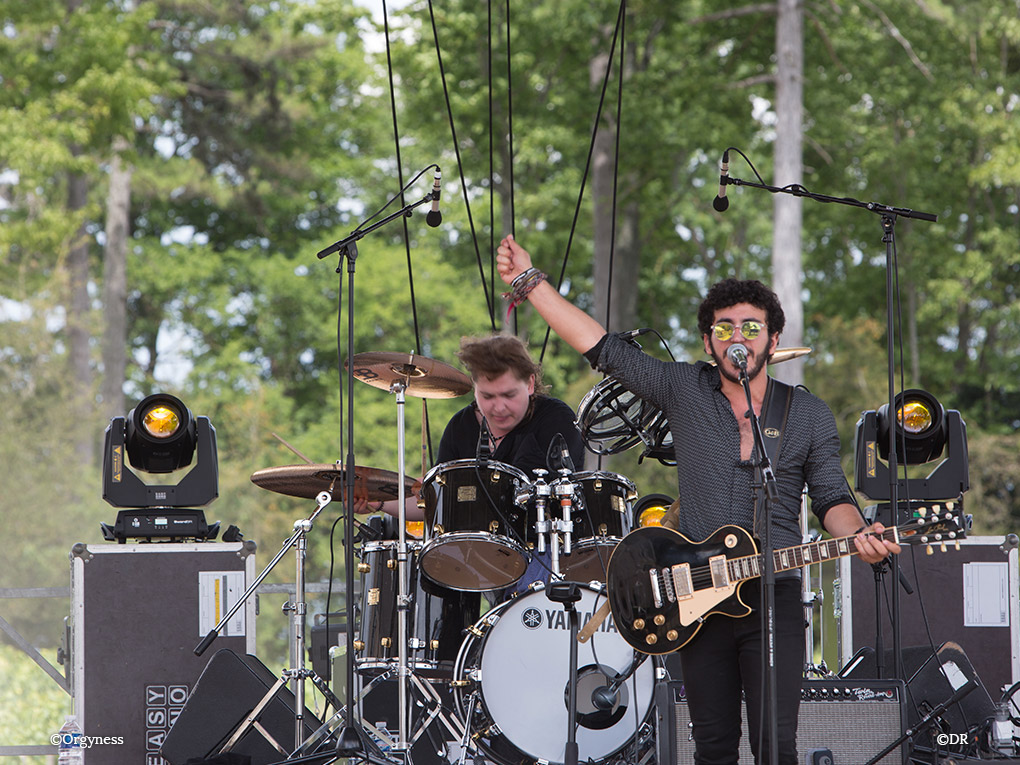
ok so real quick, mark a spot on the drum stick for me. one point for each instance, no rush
(593, 624)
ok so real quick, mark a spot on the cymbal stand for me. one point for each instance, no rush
(403, 596)
(297, 671)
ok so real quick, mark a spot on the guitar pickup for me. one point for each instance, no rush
(682, 584)
(720, 576)
(656, 589)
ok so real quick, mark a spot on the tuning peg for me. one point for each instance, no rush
(942, 547)
(928, 550)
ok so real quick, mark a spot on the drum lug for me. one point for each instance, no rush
(359, 645)
(364, 568)
(493, 527)
(603, 530)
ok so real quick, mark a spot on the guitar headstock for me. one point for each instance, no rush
(941, 523)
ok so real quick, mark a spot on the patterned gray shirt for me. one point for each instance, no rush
(716, 487)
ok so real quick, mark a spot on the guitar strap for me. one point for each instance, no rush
(773, 425)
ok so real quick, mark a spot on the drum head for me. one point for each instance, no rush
(473, 561)
(524, 670)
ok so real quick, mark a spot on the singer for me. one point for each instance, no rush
(719, 484)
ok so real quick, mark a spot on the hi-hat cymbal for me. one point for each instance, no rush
(422, 377)
(374, 484)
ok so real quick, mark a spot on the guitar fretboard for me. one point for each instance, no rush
(751, 566)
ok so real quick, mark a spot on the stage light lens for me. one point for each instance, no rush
(161, 421)
(651, 516)
(915, 417)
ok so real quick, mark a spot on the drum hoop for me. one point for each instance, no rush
(605, 475)
(473, 463)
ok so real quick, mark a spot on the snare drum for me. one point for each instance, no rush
(376, 648)
(511, 682)
(475, 532)
(602, 517)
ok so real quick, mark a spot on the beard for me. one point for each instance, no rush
(755, 366)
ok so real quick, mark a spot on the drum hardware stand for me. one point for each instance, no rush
(297, 673)
(568, 593)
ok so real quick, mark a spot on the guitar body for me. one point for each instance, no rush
(662, 628)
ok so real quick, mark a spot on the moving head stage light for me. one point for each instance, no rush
(158, 461)
(924, 432)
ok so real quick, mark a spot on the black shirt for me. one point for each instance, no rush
(526, 447)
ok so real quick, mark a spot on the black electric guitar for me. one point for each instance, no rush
(662, 586)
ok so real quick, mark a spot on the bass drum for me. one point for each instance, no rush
(511, 682)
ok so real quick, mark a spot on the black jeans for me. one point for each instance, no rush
(724, 658)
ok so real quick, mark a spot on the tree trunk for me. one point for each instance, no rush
(615, 254)
(78, 334)
(788, 210)
(118, 206)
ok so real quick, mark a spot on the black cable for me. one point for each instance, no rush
(489, 299)
(587, 163)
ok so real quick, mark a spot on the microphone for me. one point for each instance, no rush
(483, 453)
(434, 217)
(737, 353)
(560, 444)
(720, 203)
(635, 333)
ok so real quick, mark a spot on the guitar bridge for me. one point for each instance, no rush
(682, 584)
(656, 589)
(667, 582)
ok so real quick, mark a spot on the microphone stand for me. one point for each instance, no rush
(568, 593)
(889, 216)
(768, 592)
(353, 741)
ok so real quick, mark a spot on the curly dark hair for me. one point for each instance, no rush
(491, 356)
(733, 291)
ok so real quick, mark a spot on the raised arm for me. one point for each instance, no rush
(577, 328)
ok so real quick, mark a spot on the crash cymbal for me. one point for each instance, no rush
(784, 354)
(422, 377)
(374, 484)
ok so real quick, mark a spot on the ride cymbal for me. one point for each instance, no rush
(422, 377)
(374, 484)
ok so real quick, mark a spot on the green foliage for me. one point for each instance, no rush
(260, 133)
(32, 706)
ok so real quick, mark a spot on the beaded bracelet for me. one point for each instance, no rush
(522, 286)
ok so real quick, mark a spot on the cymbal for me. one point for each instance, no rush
(784, 354)
(375, 484)
(422, 377)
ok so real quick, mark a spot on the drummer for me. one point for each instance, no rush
(521, 419)
(523, 422)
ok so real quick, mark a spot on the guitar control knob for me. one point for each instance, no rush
(672, 635)
(651, 639)
(639, 624)
(659, 620)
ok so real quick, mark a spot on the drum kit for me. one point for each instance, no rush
(508, 695)
(503, 697)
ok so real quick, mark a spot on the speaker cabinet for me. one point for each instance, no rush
(969, 596)
(137, 613)
(854, 720)
(230, 688)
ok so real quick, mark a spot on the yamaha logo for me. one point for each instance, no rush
(531, 618)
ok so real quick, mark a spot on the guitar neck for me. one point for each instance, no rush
(798, 556)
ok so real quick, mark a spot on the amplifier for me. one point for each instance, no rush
(855, 720)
